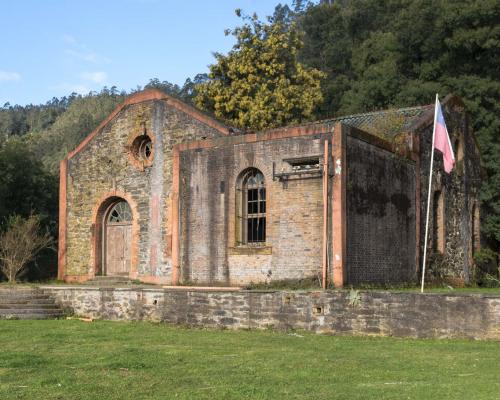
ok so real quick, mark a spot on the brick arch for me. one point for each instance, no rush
(267, 172)
(98, 211)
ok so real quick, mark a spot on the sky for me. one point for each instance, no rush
(51, 48)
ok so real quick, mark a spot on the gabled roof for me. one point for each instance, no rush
(155, 94)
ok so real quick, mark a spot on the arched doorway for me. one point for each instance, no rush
(117, 239)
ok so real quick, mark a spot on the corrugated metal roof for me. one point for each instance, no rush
(385, 123)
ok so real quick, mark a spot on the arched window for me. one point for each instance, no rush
(120, 212)
(253, 207)
(439, 222)
(476, 230)
(459, 149)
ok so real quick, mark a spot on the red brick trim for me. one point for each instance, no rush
(61, 265)
(148, 95)
(274, 134)
(133, 159)
(97, 214)
(175, 216)
(339, 253)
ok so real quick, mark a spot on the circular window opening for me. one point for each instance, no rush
(142, 148)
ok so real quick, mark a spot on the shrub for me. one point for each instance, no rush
(19, 245)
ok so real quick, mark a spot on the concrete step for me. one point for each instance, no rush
(104, 281)
(34, 310)
(41, 297)
(111, 278)
(30, 316)
(20, 292)
(27, 303)
(11, 306)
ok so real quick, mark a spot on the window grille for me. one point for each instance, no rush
(253, 207)
(120, 213)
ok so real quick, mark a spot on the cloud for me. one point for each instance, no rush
(6, 76)
(88, 56)
(81, 52)
(95, 77)
(69, 39)
(70, 88)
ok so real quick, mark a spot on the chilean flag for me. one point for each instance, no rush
(442, 139)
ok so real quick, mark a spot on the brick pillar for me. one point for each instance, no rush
(339, 205)
(61, 264)
(175, 217)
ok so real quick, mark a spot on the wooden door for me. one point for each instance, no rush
(118, 249)
(118, 237)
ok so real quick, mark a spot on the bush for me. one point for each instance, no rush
(488, 269)
(19, 245)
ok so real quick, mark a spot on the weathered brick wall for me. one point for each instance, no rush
(380, 201)
(103, 166)
(208, 213)
(368, 313)
(461, 196)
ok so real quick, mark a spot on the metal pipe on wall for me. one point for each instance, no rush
(325, 216)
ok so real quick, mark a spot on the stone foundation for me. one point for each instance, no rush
(335, 312)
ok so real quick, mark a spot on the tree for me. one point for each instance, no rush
(260, 83)
(19, 245)
(25, 186)
(378, 54)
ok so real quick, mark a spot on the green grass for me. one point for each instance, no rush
(119, 360)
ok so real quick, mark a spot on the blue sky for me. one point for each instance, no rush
(54, 47)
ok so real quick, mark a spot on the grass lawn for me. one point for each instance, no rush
(119, 360)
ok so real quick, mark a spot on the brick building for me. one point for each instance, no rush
(163, 193)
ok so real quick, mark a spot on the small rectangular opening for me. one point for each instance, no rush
(317, 310)
(304, 163)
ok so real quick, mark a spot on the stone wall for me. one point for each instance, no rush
(460, 191)
(336, 312)
(104, 167)
(380, 212)
(210, 251)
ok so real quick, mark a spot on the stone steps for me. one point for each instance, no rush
(27, 303)
(30, 316)
(109, 281)
(26, 300)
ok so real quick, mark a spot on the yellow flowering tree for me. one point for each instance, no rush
(260, 83)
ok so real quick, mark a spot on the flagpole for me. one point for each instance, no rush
(429, 195)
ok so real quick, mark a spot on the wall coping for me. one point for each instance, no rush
(240, 290)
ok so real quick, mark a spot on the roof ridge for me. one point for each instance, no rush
(384, 111)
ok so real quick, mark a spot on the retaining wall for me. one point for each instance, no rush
(336, 312)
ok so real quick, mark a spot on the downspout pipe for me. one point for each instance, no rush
(325, 218)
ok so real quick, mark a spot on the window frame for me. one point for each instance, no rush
(252, 209)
